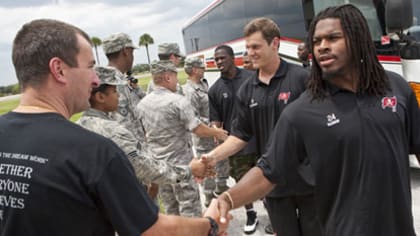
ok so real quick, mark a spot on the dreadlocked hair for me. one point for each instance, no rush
(370, 73)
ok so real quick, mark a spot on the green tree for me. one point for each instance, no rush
(9, 90)
(139, 68)
(96, 42)
(146, 40)
(15, 89)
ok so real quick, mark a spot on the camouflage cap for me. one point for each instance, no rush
(194, 62)
(117, 42)
(163, 66)
(107, 75)
(169, 48)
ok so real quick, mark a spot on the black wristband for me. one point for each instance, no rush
(214, 228)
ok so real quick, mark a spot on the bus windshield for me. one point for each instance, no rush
(373, 10)
(414, 31)
(225, 21)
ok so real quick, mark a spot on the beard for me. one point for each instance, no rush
(329, 75)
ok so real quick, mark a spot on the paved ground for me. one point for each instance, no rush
(11, 97)
(239, 218)
(415, 192)
(236, 225)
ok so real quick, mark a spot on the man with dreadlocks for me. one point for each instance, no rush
(356, 125)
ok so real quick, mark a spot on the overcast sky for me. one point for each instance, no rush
(162, 19)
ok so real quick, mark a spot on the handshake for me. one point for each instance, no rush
(202, 167)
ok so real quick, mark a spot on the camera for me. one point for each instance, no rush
(131, 78)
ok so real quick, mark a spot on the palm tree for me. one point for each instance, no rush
(96, 42)
(146, 40)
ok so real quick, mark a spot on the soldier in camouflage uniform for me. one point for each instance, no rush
(170, 52)
(103, 100)
(168, 118)
(119, 49)
(195, 90)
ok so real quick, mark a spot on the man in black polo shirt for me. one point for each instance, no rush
(221, 100)
(259, 102)
(356, 125)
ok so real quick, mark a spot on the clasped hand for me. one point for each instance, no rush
(202, 168)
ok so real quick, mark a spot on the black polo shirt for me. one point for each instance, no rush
(358, 147)
(221, 102)
(222, 96)
(258, 107)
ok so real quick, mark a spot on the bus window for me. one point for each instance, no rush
(369, 11)
(368, 8)
(414, 32)
(225, 21)
(322, 4)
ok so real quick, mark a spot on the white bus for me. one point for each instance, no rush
(222, 22)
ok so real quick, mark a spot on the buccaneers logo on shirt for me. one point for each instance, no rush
(284, 96)
(390, 102)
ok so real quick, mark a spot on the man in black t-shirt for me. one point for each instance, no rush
(258, 104)
(356, 125)
(222, 97)
(57, 178)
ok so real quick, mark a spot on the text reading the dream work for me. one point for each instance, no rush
(16, 170)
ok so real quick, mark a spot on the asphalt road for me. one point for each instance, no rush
(11, 97)
(236, 225)
(415, 192)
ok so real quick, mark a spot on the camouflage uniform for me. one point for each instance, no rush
(135, 91)
(136, 94)
(168, 118)
(151, 86)
(147, 169)
(196, 93)
(166, 49)
(127, 103)
(126, 111)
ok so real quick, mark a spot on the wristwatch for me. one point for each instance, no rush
(214, 228)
